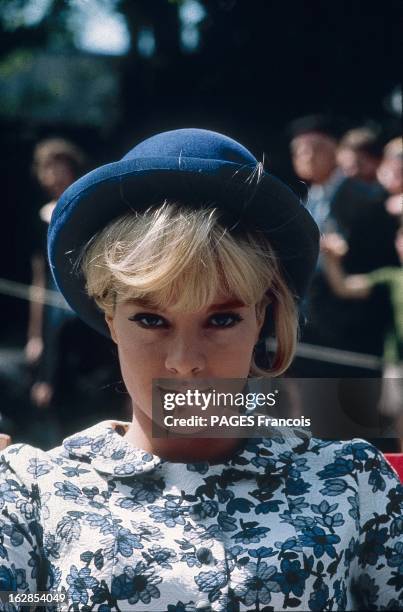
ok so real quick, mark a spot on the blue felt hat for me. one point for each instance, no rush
(198, 168)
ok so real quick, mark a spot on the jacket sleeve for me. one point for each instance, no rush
(378, 582)
(21, 562)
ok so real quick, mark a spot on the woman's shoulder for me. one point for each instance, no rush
(331, 461)
(338, 458)
(31, 464)
(25, 462)
(357, 467)
(350, 475)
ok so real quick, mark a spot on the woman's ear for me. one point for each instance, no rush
(111, 324)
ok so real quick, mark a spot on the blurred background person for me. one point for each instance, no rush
(68, 363)
(353, 209)
(313, 150)
(359, 154)
(360, 286)
(57, 163)
(390, 175)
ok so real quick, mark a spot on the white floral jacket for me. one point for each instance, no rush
(287, 523)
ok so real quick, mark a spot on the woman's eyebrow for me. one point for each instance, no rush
(144, 303)
(227, 305)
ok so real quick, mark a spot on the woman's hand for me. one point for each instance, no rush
(5, 440)
(333, 245)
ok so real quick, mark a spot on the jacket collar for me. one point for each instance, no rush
(108, 452)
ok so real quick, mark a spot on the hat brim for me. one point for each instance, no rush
(246, 203)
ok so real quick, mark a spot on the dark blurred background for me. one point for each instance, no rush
(107, 73)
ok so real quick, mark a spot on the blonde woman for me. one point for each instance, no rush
(186, 252)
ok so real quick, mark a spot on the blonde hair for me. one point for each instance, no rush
(178, 257)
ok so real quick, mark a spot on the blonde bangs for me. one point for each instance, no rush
(174, 258)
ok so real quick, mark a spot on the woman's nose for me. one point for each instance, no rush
(185, 357)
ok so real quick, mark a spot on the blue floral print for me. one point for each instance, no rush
(288, 522)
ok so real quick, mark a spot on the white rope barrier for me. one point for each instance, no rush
(333, 355)
(33, 293)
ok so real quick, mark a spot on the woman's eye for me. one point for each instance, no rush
(148, 320)
(225, 319)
